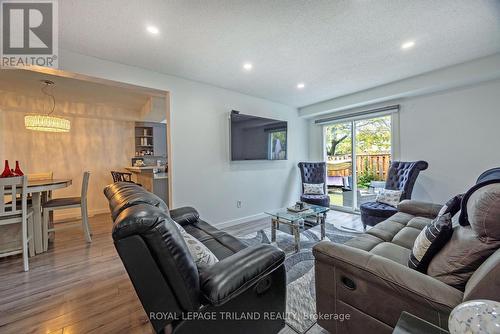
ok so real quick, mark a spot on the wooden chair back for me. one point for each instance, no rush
(40, 176)
(10, 187)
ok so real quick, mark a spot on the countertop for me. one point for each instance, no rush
(140, 169)
(146, 170)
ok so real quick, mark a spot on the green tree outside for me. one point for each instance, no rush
(373, 136)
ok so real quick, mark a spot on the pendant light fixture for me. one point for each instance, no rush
(47, 123)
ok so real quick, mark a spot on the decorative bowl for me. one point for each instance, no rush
(475, 317)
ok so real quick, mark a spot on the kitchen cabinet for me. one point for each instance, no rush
(150, 139)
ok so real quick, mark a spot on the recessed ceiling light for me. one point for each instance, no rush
(247, 66)
(407, 45)
(153, 30)
(300, 85)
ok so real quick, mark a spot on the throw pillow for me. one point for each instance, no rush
(471, 245)
(452, 206)
(478, 187)
(430, 241)
(200, 253)
(389, 197)
(314, 188)
(460, 257)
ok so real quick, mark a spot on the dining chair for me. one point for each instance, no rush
(67, 203)
(122, 177)
(40, 176)
(37, 177)
(46, 195)
(13, 213)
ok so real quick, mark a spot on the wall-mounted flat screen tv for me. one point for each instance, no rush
(257, 138)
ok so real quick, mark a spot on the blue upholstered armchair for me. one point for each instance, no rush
(314, 172)
(401, 176)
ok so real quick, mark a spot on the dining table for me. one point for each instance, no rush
(39, 189)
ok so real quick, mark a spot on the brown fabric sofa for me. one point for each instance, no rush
(368, 277)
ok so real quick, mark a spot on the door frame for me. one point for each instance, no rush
(395, 148)
(133, 87)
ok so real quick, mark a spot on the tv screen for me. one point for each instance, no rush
(257, 138)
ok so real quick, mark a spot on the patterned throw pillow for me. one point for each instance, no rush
(200, 253)
(430, 241)
(389, 197)
(314, 188)
(452, 206)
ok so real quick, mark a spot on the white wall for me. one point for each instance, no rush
(456, 131)
(95, 145)
(203, 176)
(441, 80)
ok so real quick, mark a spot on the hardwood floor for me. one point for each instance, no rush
(73, 288)
(79, 288)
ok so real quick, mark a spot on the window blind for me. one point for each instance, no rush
(359, 115)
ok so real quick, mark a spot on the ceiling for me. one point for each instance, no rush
(333, 47)
(100, 100)
(70, 89)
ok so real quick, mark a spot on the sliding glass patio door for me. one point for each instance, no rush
(338, 145)
(358, 154)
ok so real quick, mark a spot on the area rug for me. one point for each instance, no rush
(301, 296)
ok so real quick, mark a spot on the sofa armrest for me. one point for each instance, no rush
(185, 215)
(233, 275)
(389, 276)
(419, 209)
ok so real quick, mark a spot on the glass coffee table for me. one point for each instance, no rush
(411, 324)
(296, 222)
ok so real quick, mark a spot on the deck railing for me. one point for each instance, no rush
(377, 164)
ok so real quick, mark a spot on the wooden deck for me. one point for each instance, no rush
(78, 288)
(377, 164)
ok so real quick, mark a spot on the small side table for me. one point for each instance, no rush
(410, 324)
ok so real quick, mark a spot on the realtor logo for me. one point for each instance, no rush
(29, 33)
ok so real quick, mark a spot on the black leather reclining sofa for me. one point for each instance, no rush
(245, 292)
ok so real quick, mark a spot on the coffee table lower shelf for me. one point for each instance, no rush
(298, 226)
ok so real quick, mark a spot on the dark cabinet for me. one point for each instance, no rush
(150, 139)
(160, 140)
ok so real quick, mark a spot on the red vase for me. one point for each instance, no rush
(18, 170)
(7, 172)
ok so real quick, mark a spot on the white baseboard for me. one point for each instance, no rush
(242, 220)
(237, 221)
